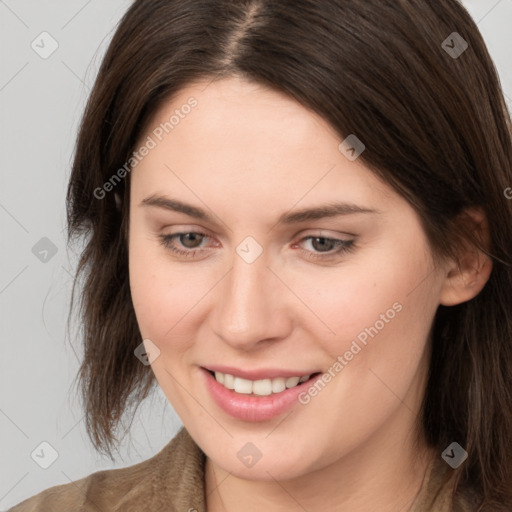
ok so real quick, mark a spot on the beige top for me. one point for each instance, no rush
(173, 481)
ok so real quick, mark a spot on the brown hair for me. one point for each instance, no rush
(435, 126)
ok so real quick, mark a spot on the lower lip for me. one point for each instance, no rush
(250, 407)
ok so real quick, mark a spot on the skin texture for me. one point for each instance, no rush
(247, 154)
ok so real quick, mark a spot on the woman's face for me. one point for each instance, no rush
(264, 291)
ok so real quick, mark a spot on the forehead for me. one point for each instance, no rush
(250, 144)
(233, 109)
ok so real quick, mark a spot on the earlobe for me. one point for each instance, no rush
(466, 278)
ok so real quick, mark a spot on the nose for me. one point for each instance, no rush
(252, 305)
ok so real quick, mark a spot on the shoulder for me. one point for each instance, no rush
(169, 480)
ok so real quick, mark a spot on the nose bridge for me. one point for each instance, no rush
(248, 309)
(244, 302)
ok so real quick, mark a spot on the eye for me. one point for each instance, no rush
(325, 248)
(190, 240)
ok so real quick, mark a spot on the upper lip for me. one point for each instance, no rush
(258, 374)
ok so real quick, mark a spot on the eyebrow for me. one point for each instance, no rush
(332, 209)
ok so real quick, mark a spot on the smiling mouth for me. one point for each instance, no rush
(262, 387)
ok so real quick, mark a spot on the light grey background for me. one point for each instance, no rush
(41, 103)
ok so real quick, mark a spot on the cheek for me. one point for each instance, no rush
(373, 307)
(167, 296)
(381, 316)
(347, 300)
(159, 294)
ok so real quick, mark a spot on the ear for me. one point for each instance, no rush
(466, 277)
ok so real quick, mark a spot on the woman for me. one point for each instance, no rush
(297, 224)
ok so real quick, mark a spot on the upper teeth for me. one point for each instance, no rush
(258, 387)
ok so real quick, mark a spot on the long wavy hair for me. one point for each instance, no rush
(436, 128)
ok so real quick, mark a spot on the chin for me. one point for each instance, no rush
(261, 460)
(263, 471)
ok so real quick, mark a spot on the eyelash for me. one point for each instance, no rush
(344, 246)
